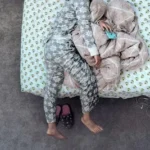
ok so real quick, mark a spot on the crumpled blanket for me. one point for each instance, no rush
(127, 52)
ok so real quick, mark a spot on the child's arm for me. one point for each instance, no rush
(82, 8)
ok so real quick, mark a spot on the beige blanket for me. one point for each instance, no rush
(127, 52)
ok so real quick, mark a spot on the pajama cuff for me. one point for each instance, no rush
(93, 51)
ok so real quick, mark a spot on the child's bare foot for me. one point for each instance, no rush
(91, 125)
(55, 133)
(52, 131)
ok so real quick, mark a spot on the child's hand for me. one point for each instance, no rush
(93, 61)
(89, 59)
(97, 61)
(105, 26)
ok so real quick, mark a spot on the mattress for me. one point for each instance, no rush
(36, 24)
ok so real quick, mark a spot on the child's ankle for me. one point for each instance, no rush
(52, 125)
(86, 116)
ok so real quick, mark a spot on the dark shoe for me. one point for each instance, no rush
(67, 117)
(58, 113)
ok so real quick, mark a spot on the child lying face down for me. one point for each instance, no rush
(60, 55)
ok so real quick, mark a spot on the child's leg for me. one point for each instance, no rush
(55, 76)
(81, 71)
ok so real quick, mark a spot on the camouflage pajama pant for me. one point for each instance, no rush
(61, 55)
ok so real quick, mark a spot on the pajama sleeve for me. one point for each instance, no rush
(82, 9)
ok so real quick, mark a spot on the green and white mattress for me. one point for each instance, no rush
(37, 18)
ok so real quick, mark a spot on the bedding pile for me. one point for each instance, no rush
(36, 25)
(127, 52)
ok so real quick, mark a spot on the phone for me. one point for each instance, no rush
(111, 35)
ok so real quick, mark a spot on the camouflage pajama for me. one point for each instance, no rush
(61, 55)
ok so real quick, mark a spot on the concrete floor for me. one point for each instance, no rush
(22, 121)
